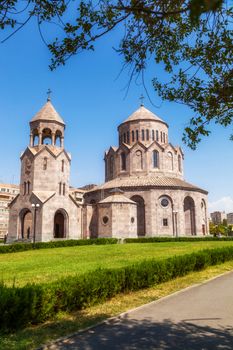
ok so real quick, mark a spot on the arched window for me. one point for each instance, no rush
(35, 138)
(62, 165)
(124, 137)
(143, 135)
(45, 163)
(123, 161)
(147, 134)
(46, 137)
(137, 136)
(58, 136)
(133, 136)
(161, 136)
(179, 163)
(60, 188)
(170, 159)
(157, 135)
(64, 189)
(153, 135)
(155, 159)
(138, 160)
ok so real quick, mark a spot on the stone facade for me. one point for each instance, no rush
(7, 194)
(149, 170)
(45, 209)
(145, 193)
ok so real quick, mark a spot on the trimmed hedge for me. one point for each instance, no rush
(35, 303)
(175, 239)
(20, 247)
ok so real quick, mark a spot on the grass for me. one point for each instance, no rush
(48, 265)
(64, 324)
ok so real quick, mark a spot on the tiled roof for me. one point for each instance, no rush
(55, 150)
(43, 196)
(143, 113)
(148, 181)
(49, 113)
(117, 198)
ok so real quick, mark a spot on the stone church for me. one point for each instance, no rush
(144, 193)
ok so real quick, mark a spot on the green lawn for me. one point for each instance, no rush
(46, 265)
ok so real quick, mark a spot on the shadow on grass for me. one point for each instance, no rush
(145, 334)
(32, 337)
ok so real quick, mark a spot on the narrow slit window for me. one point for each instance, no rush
(143, 135)
(127, 137)
(153, 135)
(132, 136)
(123, 161)
(45, 163)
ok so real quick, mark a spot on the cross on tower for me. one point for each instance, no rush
(142, 99)
(49, 95)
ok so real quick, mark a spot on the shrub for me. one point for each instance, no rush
(35, 303)
(20, 247)
(175, 239)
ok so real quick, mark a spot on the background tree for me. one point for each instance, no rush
(191, 39)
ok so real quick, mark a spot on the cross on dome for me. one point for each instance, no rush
(49, 94)
(142, 99)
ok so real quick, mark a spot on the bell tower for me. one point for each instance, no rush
(45, 163)
(44, 205)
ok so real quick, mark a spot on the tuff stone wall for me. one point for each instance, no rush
(155, 213)
(122, 220)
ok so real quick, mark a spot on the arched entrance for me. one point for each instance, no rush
(60, 224)
(26, 224)
(189, 216)
(140, 214)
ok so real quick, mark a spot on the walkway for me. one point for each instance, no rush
(199, 317)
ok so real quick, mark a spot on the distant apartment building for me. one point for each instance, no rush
(230, 218)
(7, 193)
(217, 217)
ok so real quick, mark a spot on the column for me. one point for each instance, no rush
(53, 138)
(31, 140)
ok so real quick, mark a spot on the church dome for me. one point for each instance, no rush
(144, 126)
(143, 114)
(48, 113)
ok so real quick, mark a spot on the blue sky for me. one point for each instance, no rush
(91, 100)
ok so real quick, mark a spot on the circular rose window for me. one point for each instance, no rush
(164, 202)
(132, 220)
(105, 220)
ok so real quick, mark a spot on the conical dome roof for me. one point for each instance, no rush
(143, 113)
(48, 113)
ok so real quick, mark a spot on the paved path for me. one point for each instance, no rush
(200, 318)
